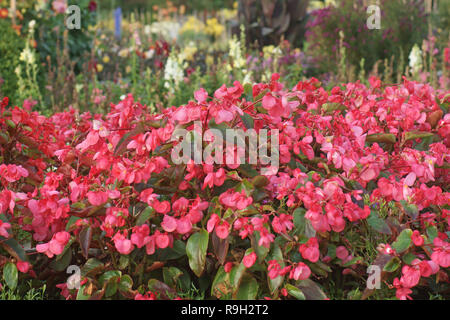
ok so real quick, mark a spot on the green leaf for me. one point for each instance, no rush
(236, 275)
(16, 249)
(381, 137)
(85, 238)
(164, 291)
(392, 265)
(377, 223)
(177, 251)
(10, 275)
(276, 254)
(410, 209)
(108, 275)
(145, 215)
(171, 275)
(403, 241)
(221, 287)
(196, 251)
(126, 283)
(247, 170)
(62, 261)
(124, 261)
(260, 251)
(72, 221)
(352, 261)
(81, 295)
(432, 233)
(111, 287)
(92, 267)
(248, 289)
(248, 121)
(303, 226)
(408, 258)
(311, 290)
(260, 181)
(295, 292)
(417, 134)
(220, 247)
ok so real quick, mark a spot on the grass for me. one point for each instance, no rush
(29, 293)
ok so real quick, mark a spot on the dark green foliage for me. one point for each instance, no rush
(11, 44)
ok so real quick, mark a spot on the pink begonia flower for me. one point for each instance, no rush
(222, 230)
(310, 250)
(161, 240)
(3, 229)
(161, 207)
(60, 6)
(441, 253)
(184, 225)
(23, 266)
(300, 272)
(55, 246)
(169, 224)
(97, 198)
(417, 238)
(342, 252)
(249, 260)
(12, 173)
(201, 95)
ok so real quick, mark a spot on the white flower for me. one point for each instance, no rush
(149, 54)
(31, 25)
(415, 59)
(27, 56)
(173, 71)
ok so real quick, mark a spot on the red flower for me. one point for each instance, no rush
(4, 13)
(92, 6)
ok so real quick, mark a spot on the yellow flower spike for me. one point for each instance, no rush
(99, 67)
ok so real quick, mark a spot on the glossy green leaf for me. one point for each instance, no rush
(126, 283)
(392, 265)
(10, 275)
(248, 289)
(377, 223)
(295, 292)
(403, 241)
(196, 251)
(311, 290)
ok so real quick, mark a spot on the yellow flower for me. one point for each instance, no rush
(213, 27)
(106, 59)
(128, 69)
(192, 24)
(99, 67)
(209, 60)
(188, 53)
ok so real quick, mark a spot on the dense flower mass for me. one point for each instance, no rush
(354, 161)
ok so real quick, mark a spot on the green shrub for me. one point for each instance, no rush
(11, 45)
(403, 23)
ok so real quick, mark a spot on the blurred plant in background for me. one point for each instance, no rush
(403, 23)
